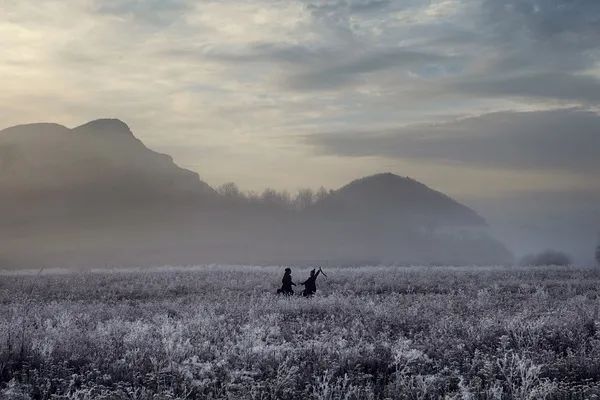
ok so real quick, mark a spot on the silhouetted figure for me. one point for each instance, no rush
(287, 283)
(310, 285)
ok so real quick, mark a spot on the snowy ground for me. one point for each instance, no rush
(371, 332)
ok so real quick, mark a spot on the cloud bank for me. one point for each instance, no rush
(556, 140)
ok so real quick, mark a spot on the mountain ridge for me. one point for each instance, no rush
(102, 152)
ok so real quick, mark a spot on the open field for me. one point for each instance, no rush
(370, 333)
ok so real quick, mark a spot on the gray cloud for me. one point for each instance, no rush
(527, 49)
(536, 49)
(261, 52)
(522, 48)
(565, 139)
(561, 23)
(348, 71)
(152, 12)
(550, 85)
(353, 6)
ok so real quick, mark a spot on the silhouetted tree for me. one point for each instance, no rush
(230, 191)
(304, 199)
(252, 197)
(321, 194)
(271, 197)
(548, 257)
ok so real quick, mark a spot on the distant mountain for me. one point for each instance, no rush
(95, 196)
(97, 164)
(404, 200)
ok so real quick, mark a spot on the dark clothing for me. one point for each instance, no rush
(310, 285)
(286, 284)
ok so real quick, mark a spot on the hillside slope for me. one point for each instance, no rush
(99, 162)
(403, 199)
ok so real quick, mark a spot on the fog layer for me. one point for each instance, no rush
(96, 196)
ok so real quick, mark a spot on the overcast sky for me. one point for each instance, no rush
(476, 98)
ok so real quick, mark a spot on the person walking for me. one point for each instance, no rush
(287, 283)
(310, 285)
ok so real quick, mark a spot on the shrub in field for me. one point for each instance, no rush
(547, 257)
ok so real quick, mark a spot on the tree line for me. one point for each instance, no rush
(301, 200)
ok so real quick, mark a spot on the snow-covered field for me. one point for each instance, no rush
(370, 333)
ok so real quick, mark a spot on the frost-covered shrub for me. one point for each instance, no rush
(547, 257)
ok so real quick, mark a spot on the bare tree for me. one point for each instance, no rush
(253, 197)
(322, 194)
(230, 190)
(271, 197)
(304, 199)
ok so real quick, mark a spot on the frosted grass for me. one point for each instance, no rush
(371, 332)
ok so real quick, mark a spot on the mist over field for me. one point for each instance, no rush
(96, 196)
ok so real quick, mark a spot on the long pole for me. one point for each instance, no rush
(320, 269)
